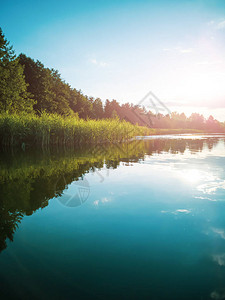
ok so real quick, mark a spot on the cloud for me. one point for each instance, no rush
(205, 198)
(220, 25)
(102, 201)
(178, 211)
(215, 62)
(184, 211)
(93, 61)
(188, 50)
(211, 187)
(167, 49)
(178, 50)
(219, 231)
(102, 64)
(217, 104)
(219, 259)
(105, 200)
(211, 22)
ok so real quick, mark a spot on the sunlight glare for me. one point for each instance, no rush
(192, 176)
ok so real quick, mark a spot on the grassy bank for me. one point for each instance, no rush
(55, 130)
(51, 129)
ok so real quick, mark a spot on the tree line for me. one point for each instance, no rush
(28, 86)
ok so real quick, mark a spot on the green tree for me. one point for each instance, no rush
(13, 88)
(82, 105)
(51, 93)
(108, 109)
(196, 121)
(61, 93)
(98, 109)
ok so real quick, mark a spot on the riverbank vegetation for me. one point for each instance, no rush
(55, 130)
(37, 107)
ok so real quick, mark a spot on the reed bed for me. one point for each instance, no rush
(55, 130)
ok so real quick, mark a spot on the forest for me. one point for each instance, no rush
(38, 93)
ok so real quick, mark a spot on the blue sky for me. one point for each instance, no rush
(124, 49)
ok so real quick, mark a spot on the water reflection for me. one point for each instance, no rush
(150, 211)
(218, 294)
(29, 180)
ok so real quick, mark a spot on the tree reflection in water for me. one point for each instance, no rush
(29, 180)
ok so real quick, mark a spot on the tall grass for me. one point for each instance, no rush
(52, 129)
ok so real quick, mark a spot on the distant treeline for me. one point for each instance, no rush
(28, 86)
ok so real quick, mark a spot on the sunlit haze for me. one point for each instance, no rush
(124, 49)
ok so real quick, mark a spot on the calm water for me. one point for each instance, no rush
(143, 220)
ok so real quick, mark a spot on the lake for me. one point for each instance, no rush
(139, 220)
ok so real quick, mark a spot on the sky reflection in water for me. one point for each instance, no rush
(152, 226)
